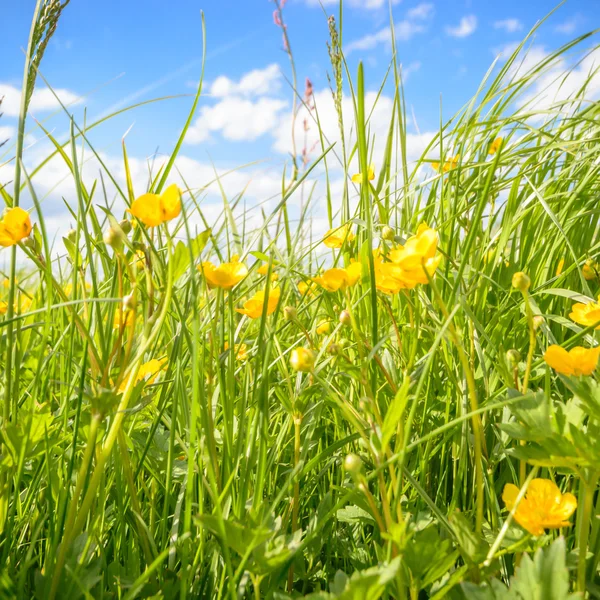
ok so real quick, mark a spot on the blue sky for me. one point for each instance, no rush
(112, 53)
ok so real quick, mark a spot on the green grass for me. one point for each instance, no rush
(225, 477)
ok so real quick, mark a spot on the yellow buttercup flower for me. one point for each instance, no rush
(411, 263)
(264, 269)
(153, 210)
(447, 166)
(339, 279)
(335, 238)
(14, 226)
(495, 146)
(577, 361)
(253, 308)
(590, 269)
(127, 318)
(323, 327)
(543, 507)
(307, 289)
(3, 307)
(226, 275)
(302, 359)
(586, 314)
(148, 371)
(358, 177)
(241, 351)
(559, 268)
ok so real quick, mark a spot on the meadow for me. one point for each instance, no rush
(406, 407)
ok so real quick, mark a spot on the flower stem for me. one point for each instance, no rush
(589, 487)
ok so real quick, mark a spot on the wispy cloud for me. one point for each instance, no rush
(569, 26)
(466, 27)
(364, 4)
(509, 25)
(404, 30)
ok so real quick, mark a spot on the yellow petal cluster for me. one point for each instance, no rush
(358, 177)
(253, 308)
(307, 289)
(495, 146)
(447, 166)
(148, 371)
(586, 314)
(226, 275)
(264, 269)
(409, 264)
(323, 328)
(577, 361)
(153, 210)
(241, 351)
(14, 226)
(543, 507)
(335, 238)
(302, 359)
(337, 278)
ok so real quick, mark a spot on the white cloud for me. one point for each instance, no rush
(364, 4)
(380, 111)
(411, 68)
(259, 82)
(560, 86)
(236, 119)
(466, 27)
(42, 100)
(509, 25)
(421, 11)
(569, 26)
(525, 61)
(6, 131)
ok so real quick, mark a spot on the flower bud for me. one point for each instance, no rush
(114, 238)
(521, 281)
(302, 359)
(589, 269)
(345, 318)
(387, 233)
(129, 302)
(513, 357)
(538, 321)
(72, 235)
(334, 349)
(126, 226)
(290, 313)
(352, 464)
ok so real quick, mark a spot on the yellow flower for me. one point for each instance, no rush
(253, 308)
(24, 304)
(152, 209)
(3, 307)
(358, 177)
(589, 270)
(410, 264)
(448, 165)
(14, 226)
(577, 361)
(68, 289)
(307, 289)
(148, 371)
(302, 359)
(543, 506)
(339, 279)
(127, 318)
(335, 238)
(323, 327)
(559, 268)
(264, 269)
(495, 145)
(226, 275)
(586, 314)
(241, 351)
(6, 283)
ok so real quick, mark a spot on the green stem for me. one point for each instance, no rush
(589, 487)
